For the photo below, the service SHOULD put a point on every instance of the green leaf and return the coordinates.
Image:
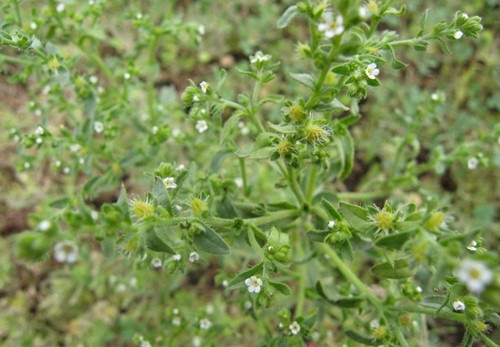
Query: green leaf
(211, 242)
(221, 79)
(225, 208)
(373, 82)
(256, 270)
(281, 287)
(60, 203)
(283, 129)
(317, 236)
(346, 251)
(345, 147)
(400, 270)
(355, 215)
(218, 159)
(333, 105)
(304, 78)
(423, 22)
(332, 211)
(350, 120)
(155, 243)
(394, 241)
(363, 339)
(342, 69)
(159, 192)
(349, 302)
(228, 127)
(122, 202)
(287, 16)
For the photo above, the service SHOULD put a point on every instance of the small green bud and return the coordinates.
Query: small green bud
(285, 148)
(198, 206)
(384, 220)
(315, 133)
(142, 209)
(297, 113)
(435, 221)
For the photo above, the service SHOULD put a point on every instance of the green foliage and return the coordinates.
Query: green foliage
(186, 177)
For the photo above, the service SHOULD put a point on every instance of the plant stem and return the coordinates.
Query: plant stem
(19, 19)
(311, 184)
(150, 83)
(352, 277)
(362, 195)
(246, 191)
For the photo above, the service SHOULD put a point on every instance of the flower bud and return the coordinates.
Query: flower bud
(435, 221)
(198, 206)
(297, 113)
(315, 133)
(284, 148)
(142, 209)
(384, 220)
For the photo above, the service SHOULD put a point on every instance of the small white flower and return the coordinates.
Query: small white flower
(196, 341)
(39, 131)
(100, 90)
(66, 170)
(472, 163)
(371, 71)
(374, 324)
(94, 215)
(204, 87)
(364, 12)
(170, 182)
(38, 112)
(145, 343)
(225, 283)
(156, 263)
(60, 7)
(254, 284)
(46, 90)
(193, 257)
(435, 96)
(178, 208)
(458, 34)
(248, 305)
(175, 311)
(138, 15)
(205, 324)
(33, 25)
(239, 182)
(126, 76)
(419, 289)
(176, 257)
(472, 246)
(121, 288)
(58, 163)
(244, 129)
(176, 132)
(66, 252)
(201, 29)
(474, 274)
(201, 126)
(209, 309)
(196, 98)
(180, 167)
(98, 127)
(81, 161)
(331, 27)
(154, 129)
(93, 79)
(91, 2)
(294, 328)
(75, 147)
(458, 306)
(44, 225)
(259, 57)
(176, 321)
(465, 16)
(331, 224)
(133, 282)
(39, 140)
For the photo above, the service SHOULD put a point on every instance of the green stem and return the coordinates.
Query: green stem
(487, 340)
(399, 335)
(311, 184)
(362, 195)
(301, 295)
(352, 277)
(19, 19)
(233, 104)
(295, 185)
(246, 191)
(257, 221)
(150, 83)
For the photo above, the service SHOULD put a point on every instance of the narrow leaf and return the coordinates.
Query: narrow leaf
(287, 16)
(281, 287)
(355, 215)
(154, 243)
(211, 242)
(305, 79)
